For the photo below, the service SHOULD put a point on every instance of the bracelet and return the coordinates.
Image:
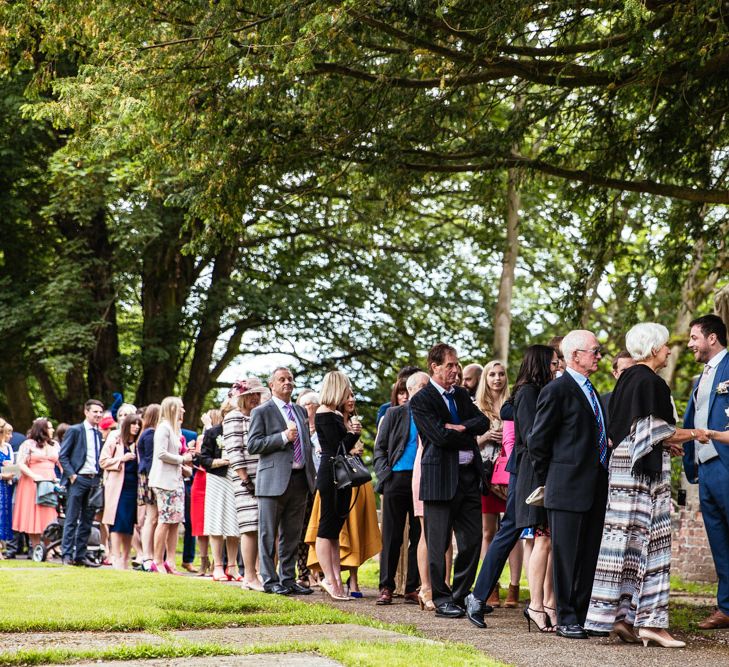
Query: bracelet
(693, 434)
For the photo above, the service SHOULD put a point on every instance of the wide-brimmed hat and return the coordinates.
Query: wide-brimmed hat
(249, 385)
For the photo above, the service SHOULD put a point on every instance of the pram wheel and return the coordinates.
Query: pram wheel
(39, 553)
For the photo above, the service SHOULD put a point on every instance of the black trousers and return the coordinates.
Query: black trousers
(506, 537)
(397, 505)
(462, 516)
(576, 538)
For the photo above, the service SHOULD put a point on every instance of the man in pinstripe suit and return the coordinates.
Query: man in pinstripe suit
(451, 477)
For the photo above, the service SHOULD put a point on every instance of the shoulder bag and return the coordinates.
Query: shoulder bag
(349, 470)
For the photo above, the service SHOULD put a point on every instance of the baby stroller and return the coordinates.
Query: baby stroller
(52, 536)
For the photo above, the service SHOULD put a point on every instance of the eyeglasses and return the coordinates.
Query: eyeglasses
(595, 351)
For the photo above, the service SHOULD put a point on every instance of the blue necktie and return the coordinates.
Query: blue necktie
(452, 407)
(602, 439)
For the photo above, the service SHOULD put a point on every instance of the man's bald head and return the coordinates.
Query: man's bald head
(471, 377)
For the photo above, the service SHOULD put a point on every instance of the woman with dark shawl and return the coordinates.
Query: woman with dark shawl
(632, 579)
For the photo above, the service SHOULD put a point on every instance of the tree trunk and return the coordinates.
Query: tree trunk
(199, 380)
(21, 412)
(167, 276)
(502, 314)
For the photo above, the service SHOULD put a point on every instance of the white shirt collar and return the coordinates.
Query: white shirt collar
(716, 359)
(441, 390)
(279, 403)
(577, 376)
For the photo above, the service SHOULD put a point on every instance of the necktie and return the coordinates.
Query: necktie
(452, 407)
(97, 446)
(704, 378)
(602, 439)
(298, 455)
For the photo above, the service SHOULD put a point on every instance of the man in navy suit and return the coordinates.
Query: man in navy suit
(451, 476)
(569, 449)
(708, 463)
(79, 460)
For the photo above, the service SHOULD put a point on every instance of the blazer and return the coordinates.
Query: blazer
(718, 420)
(111, 462)
(210, 450)
(73, 451)
(392, 437)
(439, 462)
(166, 470)
(277, 456)
(563, 446)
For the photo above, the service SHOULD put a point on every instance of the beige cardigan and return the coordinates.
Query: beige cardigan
(166, 471)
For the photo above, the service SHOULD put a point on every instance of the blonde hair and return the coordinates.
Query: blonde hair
(216, 416)
(335, 390)
(125, 410)
(486, 401)
(170, 412)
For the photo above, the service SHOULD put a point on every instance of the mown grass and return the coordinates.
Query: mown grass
(350, 653)
(64, 599)
(692, 587)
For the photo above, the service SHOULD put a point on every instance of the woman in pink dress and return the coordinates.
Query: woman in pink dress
(37, 458)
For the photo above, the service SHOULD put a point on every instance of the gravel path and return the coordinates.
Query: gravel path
(507, 639)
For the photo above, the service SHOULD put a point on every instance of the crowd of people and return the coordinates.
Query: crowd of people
(571, 486)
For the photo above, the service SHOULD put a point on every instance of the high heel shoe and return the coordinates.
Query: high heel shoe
(626, 633)
(547, 627)
(171, 570)
(354, 594)
(236, 576)
(219, 578)
(327, 589)
(204, 566)
(648, 636)
(425, 600)
(551, 622)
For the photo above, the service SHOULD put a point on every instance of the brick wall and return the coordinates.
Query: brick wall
(691, 556)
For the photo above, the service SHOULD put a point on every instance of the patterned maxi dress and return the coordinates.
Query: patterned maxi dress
(632, 579)
(235, 433)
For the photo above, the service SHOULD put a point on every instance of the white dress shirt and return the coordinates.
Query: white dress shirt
(281, 405)
(90, 466)
(465, 456)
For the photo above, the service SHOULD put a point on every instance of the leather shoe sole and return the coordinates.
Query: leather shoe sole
(597, 633)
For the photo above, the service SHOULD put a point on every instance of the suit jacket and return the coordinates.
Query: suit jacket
(73, 451)
(392, 437)
(718, 420)
(166, 470)
(439, 463)
(563, 446)
(277, 456)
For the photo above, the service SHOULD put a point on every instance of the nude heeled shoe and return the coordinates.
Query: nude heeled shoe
(651, 636)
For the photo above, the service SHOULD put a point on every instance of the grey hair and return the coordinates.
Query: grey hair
(415, 379)
(309, 397)
(573, 341)
(644, 339)
(272, 377)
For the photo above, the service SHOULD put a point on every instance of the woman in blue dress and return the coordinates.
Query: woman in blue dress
(7, 457)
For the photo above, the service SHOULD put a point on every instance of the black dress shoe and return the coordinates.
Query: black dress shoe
(87, 562)
(298, 589)
(597, 633)
(486, 608)
(279, 589)
(571, 631)
(474, 611)
(449, 610)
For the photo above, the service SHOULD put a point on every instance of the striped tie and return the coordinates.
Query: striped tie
(602, 439)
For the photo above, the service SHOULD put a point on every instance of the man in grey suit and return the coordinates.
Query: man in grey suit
(279, 434)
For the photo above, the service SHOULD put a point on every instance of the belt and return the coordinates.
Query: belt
(295, 470)
(89, 476)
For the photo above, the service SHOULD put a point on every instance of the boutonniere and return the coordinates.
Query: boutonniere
(723, 387)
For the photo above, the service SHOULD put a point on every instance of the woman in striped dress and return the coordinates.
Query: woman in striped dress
(632, 579)
(246, 394)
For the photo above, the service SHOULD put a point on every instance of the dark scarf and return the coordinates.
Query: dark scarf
(640, 393)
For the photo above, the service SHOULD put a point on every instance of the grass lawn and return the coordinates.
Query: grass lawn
(42, 597)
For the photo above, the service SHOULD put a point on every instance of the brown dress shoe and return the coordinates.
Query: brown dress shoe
(385, 596)
(716, 621)
(189, 567)
(411, 598)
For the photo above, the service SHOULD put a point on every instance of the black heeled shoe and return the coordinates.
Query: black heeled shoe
(542, 628)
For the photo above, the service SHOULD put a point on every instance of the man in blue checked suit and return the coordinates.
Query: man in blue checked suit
(708, 463)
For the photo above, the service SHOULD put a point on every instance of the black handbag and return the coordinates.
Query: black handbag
(96, 498)
(349, 471)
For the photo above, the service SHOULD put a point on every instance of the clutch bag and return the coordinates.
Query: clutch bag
(536, 497)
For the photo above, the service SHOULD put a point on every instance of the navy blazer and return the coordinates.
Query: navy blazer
(718, 421)
(73, 451)
(439, 463)
(563, 446)
(393, 434)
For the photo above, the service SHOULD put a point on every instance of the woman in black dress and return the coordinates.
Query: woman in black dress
(538, 368)
(334, 437)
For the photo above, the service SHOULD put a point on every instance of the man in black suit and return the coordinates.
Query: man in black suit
(451, 477)
(568, 446)
(79, 459)
(395, 449)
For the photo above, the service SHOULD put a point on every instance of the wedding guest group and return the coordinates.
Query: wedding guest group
(473, 472)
